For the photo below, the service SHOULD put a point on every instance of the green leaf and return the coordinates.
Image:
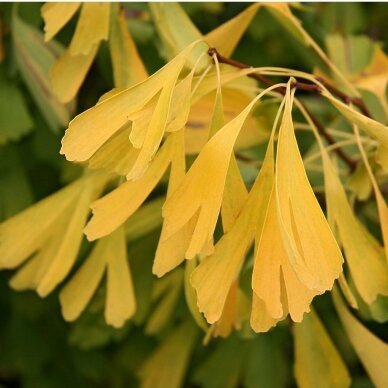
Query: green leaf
(34, 60)
(15, 120)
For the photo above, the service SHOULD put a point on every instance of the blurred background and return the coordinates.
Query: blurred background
(37, 347)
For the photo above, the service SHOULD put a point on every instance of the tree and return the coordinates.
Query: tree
(238, 210)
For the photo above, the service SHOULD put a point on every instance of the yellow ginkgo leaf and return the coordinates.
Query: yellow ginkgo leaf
(56, 15)
(69, 72)
(141, 121)
(316, 355)
(92, 27)
(230, 314)
(166, 367)
(364, 257)
(128, 68)
(57, 253)
(112, 210)
(117, 154)
(375, 77)
(203, 192)
(215, 275)
(176, 31)
(381, 204)
(91, 129)
(198, 124)
(274, 280)
(181, 103)
(372, 351)
(31, 227)
(260, 320)
(65, 251)
(171, 251)
(308, 240)
(359, 182)
(226, 37)
(80, 289)
(382, 157)
(120, 296)
(190, 296)
(373, 128)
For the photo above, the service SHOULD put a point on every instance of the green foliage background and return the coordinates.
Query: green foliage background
(37, 347)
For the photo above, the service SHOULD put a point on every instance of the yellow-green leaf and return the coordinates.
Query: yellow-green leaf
(120, 296)
(317, 361)
(371, 350)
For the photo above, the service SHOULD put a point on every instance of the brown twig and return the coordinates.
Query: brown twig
(357, 101)
(300, 86)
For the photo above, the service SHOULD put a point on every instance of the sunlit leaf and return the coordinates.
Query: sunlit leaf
(309, 242)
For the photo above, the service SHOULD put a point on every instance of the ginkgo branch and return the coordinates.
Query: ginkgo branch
(307, 87)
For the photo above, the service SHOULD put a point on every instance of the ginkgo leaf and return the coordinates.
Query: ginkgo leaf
(180, 104)
(203, 192)
(58, 251)
(117, 154)
(371, 350)
(316, 355)
(381, 204)
(260, 320)
(166, 293)
(382, 156)
(235, 195)
(79, 290)
(128, 68)
(120, 296)
(198, 124)
(69, 72)
(230, 314)
(112, 210)
(359, 182)
(374, 77)
(167, 365)
(15, 118)
(176, 31)
(214, 276)
(171, 251)
(190, 295)
(274, 280)
(31, 227)
(373, 128)
(147, 219)
(92, 27)
(64, 253)
(226, 37)
(91, 129)
(34, 59)
(56, 16)
(363, 256)
(309, 242)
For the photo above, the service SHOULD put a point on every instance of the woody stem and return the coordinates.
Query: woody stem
(307, 87)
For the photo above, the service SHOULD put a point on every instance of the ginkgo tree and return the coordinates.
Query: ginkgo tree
(206, 198)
